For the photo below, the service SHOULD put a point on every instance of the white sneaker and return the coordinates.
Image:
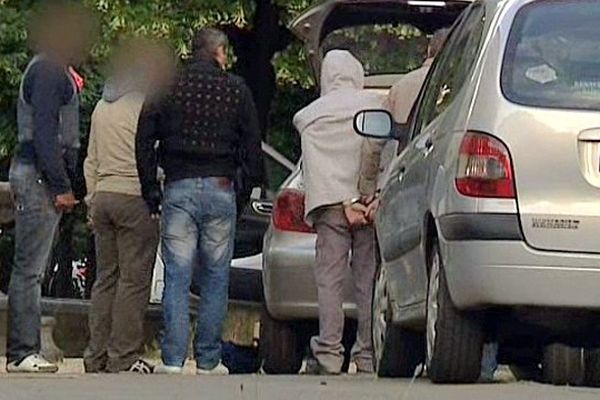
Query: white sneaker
(34, 363)
(503, 374)
(141, 367)
(163, 369)
(219, 370)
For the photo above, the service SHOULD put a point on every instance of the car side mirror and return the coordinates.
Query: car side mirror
(374, 123)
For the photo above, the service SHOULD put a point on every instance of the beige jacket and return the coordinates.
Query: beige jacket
(110, 165)
(330, 147)
(377, 154)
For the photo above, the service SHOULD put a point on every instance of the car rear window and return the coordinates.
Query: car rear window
(553, 55)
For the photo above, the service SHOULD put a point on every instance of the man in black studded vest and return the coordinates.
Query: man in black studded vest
(207, 128)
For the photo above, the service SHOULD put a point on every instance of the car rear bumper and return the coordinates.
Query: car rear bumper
(510, 273)
(290, 291)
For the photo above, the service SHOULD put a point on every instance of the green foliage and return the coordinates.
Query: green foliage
(292, 67)
(12, 58)
(174, 20)
(376, 45)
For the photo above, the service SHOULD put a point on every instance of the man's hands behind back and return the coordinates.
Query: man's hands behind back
(356, 214)
(363, 212)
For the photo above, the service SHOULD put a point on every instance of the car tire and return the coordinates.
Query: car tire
(563, 365)
(396, 351)
(280, 346)
(454, 339)
(592, 367)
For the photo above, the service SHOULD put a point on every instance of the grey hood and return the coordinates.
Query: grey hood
(330, 147)
(341, 70)
(118, 86)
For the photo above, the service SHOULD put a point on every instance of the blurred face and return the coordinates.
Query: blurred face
(221, 56)
(65, 33)
(150, 62)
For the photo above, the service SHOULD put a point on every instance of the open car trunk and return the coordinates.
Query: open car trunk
(318, 22)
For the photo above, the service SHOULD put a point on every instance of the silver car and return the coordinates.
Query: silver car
(492, 212)
(389, 37)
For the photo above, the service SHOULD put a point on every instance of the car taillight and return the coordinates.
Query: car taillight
(484, 168)
(288, 212)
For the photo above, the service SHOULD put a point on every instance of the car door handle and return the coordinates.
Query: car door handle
(262, 207)
(400, 176)
(428, 145)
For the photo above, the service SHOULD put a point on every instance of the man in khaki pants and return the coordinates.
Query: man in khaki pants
(126, 233)
(331, 162)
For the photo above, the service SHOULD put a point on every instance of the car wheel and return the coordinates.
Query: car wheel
(280, 346)
(396, 351)
(454, 339)
(563, 365)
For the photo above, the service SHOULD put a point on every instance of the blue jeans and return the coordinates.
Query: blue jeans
(198, 229)
(489, 361)
(36, 227)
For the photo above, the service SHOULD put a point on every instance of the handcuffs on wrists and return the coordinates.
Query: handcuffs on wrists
(351, 202)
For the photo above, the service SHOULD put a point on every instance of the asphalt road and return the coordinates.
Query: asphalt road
(251, 387)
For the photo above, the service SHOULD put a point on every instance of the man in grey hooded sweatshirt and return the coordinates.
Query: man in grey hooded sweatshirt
(126, 234)
(331, 163)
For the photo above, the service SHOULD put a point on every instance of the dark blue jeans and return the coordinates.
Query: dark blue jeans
(198, 229)
(37, 222)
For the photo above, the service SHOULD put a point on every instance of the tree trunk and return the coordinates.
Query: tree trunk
(255, 49)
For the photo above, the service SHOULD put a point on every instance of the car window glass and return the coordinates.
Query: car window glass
(408, 129)
(381, 48)
(452, 68)
(552, 57)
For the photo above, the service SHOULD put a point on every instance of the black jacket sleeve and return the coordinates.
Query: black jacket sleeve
(46, 84)
(147, 156)
(250, 140)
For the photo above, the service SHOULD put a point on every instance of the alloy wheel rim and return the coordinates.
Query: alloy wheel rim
(432, 306)
(380, 310)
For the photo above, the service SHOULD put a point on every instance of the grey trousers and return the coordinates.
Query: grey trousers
(339, 247)
(126, 243)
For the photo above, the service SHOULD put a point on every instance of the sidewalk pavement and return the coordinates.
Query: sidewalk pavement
(257, 387)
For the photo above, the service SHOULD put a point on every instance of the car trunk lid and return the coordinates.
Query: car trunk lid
(313, 26)
(551, 70)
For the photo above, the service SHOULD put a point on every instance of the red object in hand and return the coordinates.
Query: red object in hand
(79, 80)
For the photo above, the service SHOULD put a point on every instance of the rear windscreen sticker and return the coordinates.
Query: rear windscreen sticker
(541, 74)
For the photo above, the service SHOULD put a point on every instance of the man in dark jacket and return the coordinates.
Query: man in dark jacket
(42, 171)
(206, 127)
